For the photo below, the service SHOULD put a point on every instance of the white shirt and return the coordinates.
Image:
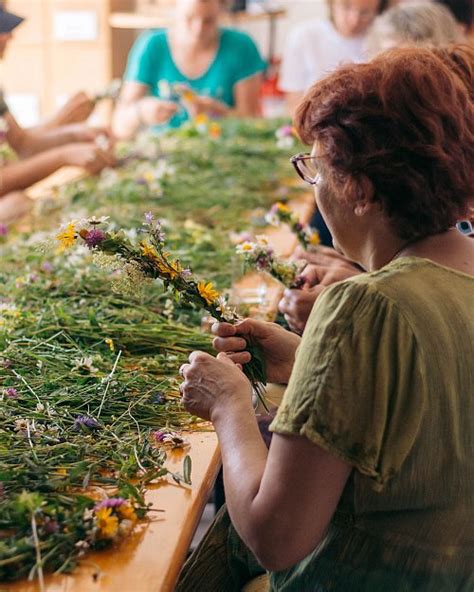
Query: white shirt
(314, 49)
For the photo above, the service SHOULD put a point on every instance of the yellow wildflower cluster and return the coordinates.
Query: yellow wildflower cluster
(67, 237)
(107, 523)
(208, 292)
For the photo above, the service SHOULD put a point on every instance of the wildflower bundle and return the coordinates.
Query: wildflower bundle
(149, 259)
(307, 237)
(259, 255)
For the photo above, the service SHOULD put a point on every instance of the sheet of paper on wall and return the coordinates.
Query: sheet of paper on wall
(75, 25)
(25, 108)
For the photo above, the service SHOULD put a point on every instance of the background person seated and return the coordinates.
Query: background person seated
(418, 23)
(221, 67)
(317, 47)
(44, 149)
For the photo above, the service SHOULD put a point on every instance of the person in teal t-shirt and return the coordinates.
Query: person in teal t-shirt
(216, 71)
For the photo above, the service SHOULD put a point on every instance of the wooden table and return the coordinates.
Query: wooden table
(151, 558)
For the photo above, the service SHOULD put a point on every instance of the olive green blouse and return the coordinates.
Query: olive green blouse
(384, 379)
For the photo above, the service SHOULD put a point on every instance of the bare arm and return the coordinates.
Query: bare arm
(23, 174)
(135, 109)
(247, 97)
(28, 142)
(280, 502)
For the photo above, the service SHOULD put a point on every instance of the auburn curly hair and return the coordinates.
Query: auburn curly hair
(460, 58)
(399, 129)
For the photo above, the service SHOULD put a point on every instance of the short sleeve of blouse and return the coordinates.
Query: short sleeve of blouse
(246, 54)
(140, 59)
(356, 389)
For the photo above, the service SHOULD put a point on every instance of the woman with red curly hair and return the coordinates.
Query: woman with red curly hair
(368, 482)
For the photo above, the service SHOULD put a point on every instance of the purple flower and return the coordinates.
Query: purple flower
(83, 422)
(94, 237)
(186, 273)
(159, 435)
(3, 230)
(111, 502)
(298, 227)
(12, 393)
(141, 181)
(47, 267)
(51, 526)
(149, 218)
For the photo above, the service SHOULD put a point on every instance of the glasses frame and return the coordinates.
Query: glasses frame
(301, 157)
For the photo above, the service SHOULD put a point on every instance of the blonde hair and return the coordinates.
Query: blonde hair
(417, 23)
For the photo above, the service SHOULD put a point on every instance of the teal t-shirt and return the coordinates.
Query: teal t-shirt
(237, 58)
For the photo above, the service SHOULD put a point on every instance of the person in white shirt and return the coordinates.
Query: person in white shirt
(317, 47)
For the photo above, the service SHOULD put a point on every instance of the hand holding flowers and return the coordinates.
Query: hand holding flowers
(212, 385)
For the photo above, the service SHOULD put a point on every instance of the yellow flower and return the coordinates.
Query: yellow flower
(188, 95)
(201, 119)
(283, 208)
(106, 523)
(207, 292)
(110, 343)
(67, 237)
(247, 246)
(149, 251)
(126, 512)
(149, 177)
(314, 239)
(215, 130)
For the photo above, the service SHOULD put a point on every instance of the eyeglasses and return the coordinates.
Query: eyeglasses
(306, 167)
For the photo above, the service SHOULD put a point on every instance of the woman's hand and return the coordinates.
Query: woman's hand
(84, 133)
(278, 345)
(200, 105)
(88, 156)
(152, 110)
(212, 385)
(76, 109)
(296, 306)
(325, 267)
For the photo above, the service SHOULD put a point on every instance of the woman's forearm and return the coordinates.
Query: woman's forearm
(42, 139)
(244, 456)
(126, 120)
(23, 174)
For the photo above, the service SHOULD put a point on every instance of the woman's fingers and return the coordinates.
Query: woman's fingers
(229, 344)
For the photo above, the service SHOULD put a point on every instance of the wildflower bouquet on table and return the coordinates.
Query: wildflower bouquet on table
(149, 259)
(280, 213)
(259, 255)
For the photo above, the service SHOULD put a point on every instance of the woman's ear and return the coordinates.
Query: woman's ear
(363, 192)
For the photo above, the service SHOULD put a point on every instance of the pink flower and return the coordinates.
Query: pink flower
(111, 502)
(11, 393)
(94, 237)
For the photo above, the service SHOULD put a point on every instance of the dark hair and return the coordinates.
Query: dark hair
(461, 9)
(460, 58)
(401, 125)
